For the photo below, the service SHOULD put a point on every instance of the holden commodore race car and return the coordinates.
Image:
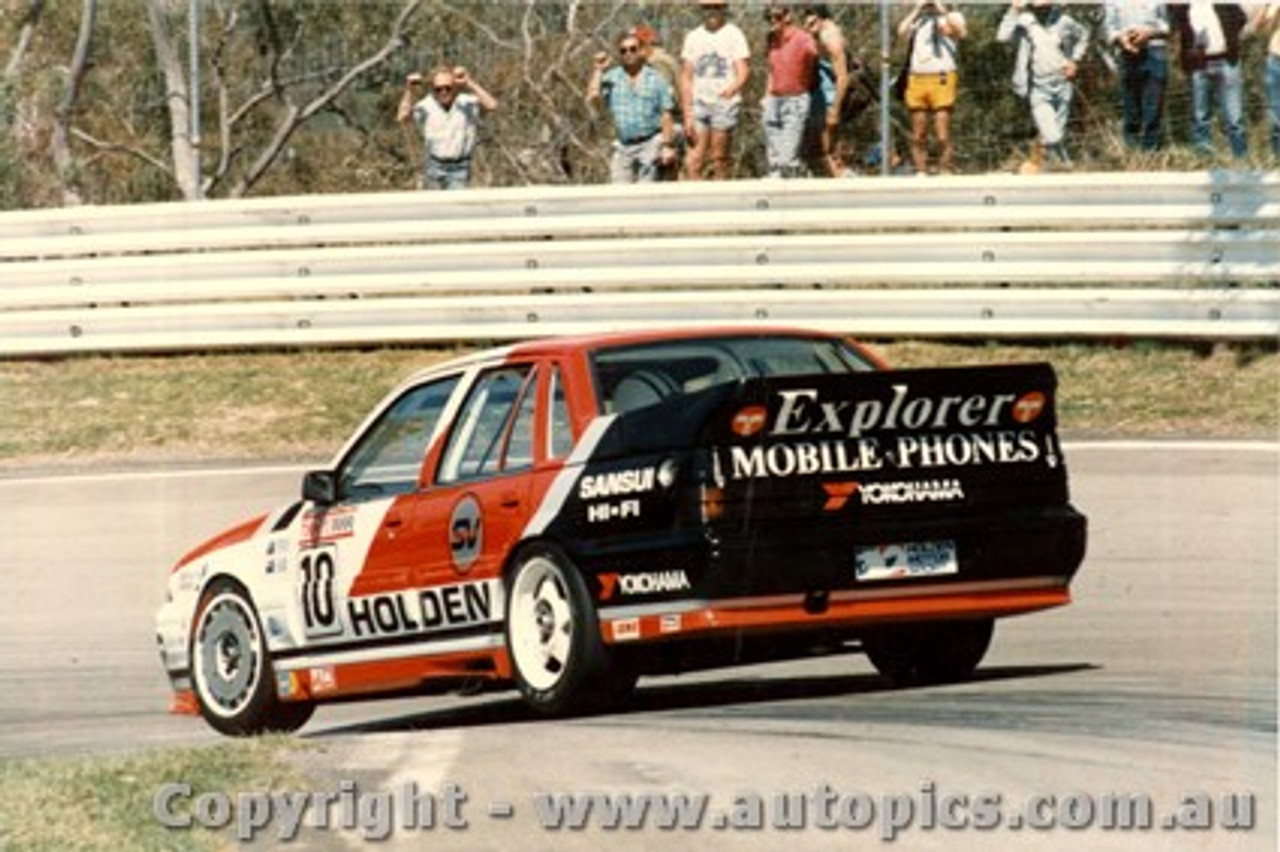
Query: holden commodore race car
(566, 515)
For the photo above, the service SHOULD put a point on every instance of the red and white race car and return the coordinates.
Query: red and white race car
(566, 515)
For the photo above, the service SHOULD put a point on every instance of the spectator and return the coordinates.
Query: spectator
(1051, 44)
(1268, 18)
(833, 83)
(654, 53)
(932, 31)
(1138, 31)
(447, 118)
(714, 72)
(1209, 51)
(641, 104)
(669, 67)
(793, 74)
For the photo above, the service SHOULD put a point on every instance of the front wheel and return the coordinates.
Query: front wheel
(232, 675)
(560, 662)
(931, 652)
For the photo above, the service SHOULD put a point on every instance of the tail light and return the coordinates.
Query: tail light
(712, 503)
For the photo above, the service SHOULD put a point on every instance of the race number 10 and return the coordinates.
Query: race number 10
(316, 591)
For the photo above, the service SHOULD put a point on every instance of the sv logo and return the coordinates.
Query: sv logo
(466, 533)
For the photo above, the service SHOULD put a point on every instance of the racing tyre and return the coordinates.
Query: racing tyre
(932, 652)
(231, 673)
(553, 635)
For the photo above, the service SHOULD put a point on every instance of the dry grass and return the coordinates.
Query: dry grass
(300, 406)
(96, 804)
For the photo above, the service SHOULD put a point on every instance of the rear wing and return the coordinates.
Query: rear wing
(962, 436)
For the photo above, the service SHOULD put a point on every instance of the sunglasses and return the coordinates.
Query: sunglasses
(442, 89)
(629, 48)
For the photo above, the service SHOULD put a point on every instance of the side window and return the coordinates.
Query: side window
(560, 431)
(519, 452)
(389, 457)
(480, 435)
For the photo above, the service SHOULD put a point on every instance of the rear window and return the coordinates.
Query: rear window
(631, 377)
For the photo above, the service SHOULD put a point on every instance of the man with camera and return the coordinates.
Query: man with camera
(932, 31)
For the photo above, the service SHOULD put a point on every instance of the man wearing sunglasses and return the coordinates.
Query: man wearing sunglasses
(713, 75)
(641, 103)
(447, 117)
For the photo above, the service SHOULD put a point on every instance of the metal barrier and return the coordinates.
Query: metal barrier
(1186, 256)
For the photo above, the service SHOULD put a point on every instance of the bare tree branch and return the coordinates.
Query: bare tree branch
(479, 25)
(295, 116)
(116, 148)
(66, 107)
(29, 22)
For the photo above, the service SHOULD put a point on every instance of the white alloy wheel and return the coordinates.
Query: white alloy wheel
(542, 623)
(228, 655)
(553, 635)
(232, 674)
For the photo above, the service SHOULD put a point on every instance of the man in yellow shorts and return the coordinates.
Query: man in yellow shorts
(932, 32)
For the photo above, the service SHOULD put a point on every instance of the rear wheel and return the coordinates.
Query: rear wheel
(560, 662)
(931, 652)
(232, 675)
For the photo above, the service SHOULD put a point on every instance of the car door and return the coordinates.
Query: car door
(478, 504)
(336, 546)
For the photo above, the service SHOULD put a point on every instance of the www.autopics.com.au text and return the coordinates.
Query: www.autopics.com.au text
(377, 814)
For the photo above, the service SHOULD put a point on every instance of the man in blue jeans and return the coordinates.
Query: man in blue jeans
(641, 103)
(1209, 41)
(1138, 30)
(1268, 20)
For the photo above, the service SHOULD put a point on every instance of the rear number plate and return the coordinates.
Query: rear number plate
(904, 561)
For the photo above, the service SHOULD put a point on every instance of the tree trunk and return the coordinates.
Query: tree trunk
(178, 98)
(66, 107)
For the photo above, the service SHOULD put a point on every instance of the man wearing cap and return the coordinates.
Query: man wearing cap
(714, 71)
(641, 104)
(669, 67)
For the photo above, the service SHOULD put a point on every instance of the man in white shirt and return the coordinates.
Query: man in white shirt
(447, 118)
(713, 73)
(1209, 36)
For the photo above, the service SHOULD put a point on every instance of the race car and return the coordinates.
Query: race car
(567, 515)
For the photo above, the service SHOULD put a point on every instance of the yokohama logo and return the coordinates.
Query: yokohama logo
(649, 583)
(881, 493)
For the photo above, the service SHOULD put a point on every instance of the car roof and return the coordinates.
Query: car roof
(572, 344)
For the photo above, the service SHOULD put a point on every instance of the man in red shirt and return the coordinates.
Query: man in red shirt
(793, 68)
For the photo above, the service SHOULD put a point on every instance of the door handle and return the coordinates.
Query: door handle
(394, 520)
(509, 500)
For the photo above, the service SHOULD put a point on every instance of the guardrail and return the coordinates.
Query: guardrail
(1190, 256)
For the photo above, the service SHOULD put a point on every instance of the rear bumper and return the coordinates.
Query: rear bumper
(786, 557)
(779, 578)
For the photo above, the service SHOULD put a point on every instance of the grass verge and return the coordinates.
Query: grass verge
(67, 805)
(296, 406)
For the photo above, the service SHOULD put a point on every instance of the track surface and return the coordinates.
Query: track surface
(1160, 679)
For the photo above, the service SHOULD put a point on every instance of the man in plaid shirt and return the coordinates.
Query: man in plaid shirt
(641, 103)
